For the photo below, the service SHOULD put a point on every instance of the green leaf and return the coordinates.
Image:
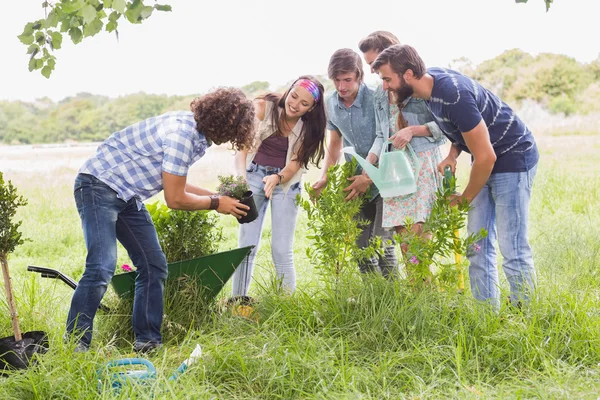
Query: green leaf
(101, 14)
(108, 3)
(46, 71)
(40, 37)
(163, 7)
(28, 29)
(111, 26)
(32, 64)
(52, 19)
(119, 5)
(39, 63)
(114, 16)
(65, 24)
(26, 39)
(33, 48)
(74, 22)
(56, 40)
(93, 28)
(51, 63)
(88, 13)
(146, 12)
(76, 35)
(70, 7)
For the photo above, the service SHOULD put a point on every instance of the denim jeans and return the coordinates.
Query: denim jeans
(502, 208)
(106, 219)
(284, 212)
(388, 262)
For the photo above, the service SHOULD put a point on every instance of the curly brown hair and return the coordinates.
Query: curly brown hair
(225, 115)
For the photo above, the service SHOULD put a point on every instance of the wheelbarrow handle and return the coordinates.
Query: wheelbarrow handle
(54, 274)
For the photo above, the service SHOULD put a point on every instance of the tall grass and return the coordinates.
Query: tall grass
(370, 338)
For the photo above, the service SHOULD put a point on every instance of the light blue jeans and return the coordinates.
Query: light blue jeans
(284, 212)
(502, 208)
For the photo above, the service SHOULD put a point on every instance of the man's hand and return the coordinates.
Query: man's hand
(318, 186)
(457, 198)
(401, 138)
(229, 205)
(358, 187)
(270, 182)
(448, 161)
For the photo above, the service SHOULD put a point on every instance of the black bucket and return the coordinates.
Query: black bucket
(252, 213)
(16, 354)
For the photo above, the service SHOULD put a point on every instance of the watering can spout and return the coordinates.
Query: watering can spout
(369, 168)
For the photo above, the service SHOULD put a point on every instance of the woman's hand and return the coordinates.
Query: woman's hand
(270, 182)
(402, 137)
(229, 205)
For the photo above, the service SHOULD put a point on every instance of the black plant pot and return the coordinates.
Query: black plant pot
(17, 354)
(252, 213)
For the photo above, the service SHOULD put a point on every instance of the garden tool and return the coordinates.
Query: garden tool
(450, 183)
(140, 371)
(395, 176)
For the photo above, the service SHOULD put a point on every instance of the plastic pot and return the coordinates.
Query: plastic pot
(16, 354)
(252, 213)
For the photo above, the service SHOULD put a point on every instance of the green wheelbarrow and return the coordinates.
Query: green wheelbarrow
(212, 273)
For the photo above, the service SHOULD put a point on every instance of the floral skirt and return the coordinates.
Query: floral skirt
(416, 206)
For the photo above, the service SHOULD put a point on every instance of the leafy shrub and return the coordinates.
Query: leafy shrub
(333, 226)
(233, 186)
(184, 235)
(562, 104)
(443, 225)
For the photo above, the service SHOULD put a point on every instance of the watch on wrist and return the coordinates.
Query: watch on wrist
(280, 178)
(214, 202)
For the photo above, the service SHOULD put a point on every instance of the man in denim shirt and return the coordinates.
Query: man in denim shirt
(351, 122)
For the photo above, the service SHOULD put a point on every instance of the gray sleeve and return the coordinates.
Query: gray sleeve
(379, 139)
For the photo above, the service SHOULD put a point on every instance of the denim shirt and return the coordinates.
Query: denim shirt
(415, 112)
(356, 124)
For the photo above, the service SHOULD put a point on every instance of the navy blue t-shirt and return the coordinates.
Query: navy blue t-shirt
(458, 103)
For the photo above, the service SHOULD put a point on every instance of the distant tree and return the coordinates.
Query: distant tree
(78, 18)
(256, 88)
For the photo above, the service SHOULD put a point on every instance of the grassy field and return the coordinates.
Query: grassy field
(367, 339)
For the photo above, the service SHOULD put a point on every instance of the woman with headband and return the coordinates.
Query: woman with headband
(289, 136)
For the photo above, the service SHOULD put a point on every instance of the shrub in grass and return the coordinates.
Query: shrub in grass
(333, 226)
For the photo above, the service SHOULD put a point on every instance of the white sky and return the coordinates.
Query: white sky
(204, 44)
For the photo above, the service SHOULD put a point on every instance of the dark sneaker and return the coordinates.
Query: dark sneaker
(144, 348)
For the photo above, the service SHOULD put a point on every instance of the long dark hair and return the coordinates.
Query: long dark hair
(312, 136)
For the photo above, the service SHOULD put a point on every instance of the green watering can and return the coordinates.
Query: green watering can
(395, 176)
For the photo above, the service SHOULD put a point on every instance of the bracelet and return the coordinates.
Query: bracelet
(280, 178)
(214, 202)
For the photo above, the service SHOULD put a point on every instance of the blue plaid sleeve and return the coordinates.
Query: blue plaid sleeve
(178, 151)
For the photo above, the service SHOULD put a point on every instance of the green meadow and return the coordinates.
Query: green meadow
(367, 338)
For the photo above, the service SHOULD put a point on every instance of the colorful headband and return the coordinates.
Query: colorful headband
(312, 88)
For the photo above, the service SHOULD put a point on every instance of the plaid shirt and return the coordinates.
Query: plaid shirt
(131, 161)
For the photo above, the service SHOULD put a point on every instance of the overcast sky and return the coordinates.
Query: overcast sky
(204, 44)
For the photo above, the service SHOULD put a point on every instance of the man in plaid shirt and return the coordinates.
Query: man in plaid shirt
(131, 166)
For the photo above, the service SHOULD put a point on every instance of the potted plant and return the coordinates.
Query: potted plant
(237, 187)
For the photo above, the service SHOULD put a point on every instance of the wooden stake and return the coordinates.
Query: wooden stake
(10, 299)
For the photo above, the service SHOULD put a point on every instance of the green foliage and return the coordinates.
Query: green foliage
(562, 104)
(184, 235)
(233, 186)
(443, 225)
(10, 201)
(84, 117)
(256, 88)
(333, 227)
(548, 2)
(78, 18)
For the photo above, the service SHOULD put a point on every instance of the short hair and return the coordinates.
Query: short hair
(345, 61)
(378, 41)
(401, 58)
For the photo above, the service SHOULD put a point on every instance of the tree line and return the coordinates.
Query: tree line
(559, 83)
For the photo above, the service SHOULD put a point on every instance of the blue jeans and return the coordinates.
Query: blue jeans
(284, 212)
(106, 218)
(502, 208)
